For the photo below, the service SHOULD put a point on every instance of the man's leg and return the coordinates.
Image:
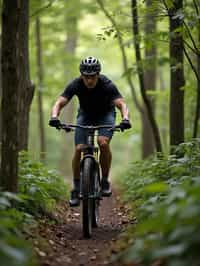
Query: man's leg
(105, 155)
(76, 161)
(74, 201)
(105, 162)
(79, 139)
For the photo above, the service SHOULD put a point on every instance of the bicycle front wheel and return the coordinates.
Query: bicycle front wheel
(96, 198)
(87, 173)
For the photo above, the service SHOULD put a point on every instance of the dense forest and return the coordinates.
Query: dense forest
(151, 50)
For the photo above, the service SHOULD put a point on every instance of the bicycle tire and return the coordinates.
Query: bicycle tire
(96, 199)
(87, 172)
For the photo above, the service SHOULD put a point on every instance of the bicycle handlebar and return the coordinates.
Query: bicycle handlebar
(71, 127)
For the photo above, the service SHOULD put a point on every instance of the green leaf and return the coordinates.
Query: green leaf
(156, 187)
(173, 250)
(16, 253)
(4, 203)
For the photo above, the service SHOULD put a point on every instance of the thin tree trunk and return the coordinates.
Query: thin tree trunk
(197, 113)
(148, 145)
(141, 78)
(176, 77)
(164, 129)
(39, 90)
(68, 112)
(15, 83)
(0, 102)
(197, 116)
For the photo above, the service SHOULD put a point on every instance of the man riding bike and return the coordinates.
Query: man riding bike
(98, 97)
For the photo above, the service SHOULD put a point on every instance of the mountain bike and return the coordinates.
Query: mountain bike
(90, 181)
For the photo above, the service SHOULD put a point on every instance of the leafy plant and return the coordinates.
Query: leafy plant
(39, 189)
(167, 193)
(13, 248)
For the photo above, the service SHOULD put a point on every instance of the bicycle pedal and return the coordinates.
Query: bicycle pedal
(74, 204)
(106, 195)
(80, 196)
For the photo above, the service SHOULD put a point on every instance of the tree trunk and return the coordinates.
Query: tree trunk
(15, 85)
(176, 77)
(69, 64)
(39, 90)
(0, 102)
(195, 135)
(197, 113)
(164, 128)
(148, 145)
(152, 120)
(27, 89)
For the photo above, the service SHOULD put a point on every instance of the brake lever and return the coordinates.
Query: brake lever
(115, 129)
(66, 128)
(58, 128)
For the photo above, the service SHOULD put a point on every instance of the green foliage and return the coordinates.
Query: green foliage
(39, 189)
(166, 192)
(14, 250)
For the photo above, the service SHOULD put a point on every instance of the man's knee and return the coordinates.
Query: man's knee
(103, 142)
(78, 149)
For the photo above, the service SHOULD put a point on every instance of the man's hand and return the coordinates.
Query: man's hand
(54, 122)
(125, 124)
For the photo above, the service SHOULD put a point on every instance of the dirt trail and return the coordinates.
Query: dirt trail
(66, 245)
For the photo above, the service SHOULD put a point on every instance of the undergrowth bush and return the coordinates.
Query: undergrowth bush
(166, 196)
(39, 186)
(39, 189)
(14, 250)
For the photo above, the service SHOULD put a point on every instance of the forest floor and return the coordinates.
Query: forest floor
(62, 244)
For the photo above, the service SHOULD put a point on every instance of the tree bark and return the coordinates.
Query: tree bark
(148, 145)
(16, 86)
(154, 126)
(39, 90)
(27, 89)
(176, 77)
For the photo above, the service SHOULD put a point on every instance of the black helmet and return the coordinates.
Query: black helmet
(90, 66)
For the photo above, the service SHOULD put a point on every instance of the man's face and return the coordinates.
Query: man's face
(90, 81)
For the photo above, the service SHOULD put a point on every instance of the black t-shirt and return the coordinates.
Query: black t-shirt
(96, 101)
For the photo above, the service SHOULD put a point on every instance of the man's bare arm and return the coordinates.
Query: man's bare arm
(60, 103)
(121, 105)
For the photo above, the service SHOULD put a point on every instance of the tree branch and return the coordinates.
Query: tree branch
(42, 8)
(190, 35)
(191, 48)
(191, 64)
(197, 113)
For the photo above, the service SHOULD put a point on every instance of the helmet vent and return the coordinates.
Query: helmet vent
(90, 66)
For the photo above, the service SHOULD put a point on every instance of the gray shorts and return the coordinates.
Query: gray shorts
(85, 120)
